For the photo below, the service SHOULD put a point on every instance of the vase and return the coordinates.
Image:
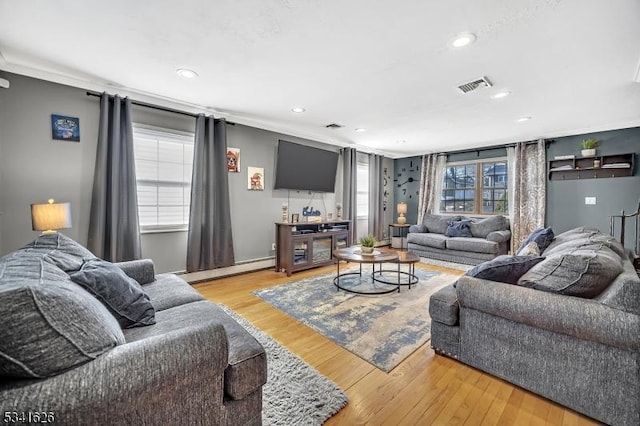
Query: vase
(366, 250)
(588, 152)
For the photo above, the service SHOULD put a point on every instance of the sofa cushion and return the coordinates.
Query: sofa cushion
(428, 240)
(483, 227)
(506, 269)
(459, 228)
(121, 295)
(49, 324)
(418, 228)
(67, 254)
(438, 224)
(169, 290)
(584, 273)
(541, 236)
(572, 234)
(476, 245)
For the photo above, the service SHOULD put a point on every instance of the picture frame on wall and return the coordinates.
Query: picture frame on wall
(255, 178)
(233, 160)
(65, 128)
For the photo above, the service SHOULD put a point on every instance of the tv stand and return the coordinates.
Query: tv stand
(303, 245)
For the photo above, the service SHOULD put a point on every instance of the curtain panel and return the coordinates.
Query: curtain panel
(527, 189)
(114, 228)
(376, 210)
(209, 239)
(430, 184)
(350, 188)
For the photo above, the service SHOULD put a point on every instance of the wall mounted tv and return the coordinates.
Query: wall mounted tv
(305, 168)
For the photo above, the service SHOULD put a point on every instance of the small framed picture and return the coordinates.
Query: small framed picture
(295, 218)
(65, 128)
(233, 160)
(255, 178)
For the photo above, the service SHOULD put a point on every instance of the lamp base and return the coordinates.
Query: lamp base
(402, 220)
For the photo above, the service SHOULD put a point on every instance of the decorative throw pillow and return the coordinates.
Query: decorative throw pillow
(582, 274)
(122, 295)
(530, 249)
(64, 252)
(542, 237)
(506, 269)
(51, 326)
(459, 228)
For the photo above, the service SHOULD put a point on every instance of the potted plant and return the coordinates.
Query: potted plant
(367, 244)
(589, 147)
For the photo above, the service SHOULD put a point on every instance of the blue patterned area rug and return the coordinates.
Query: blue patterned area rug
(383, 329)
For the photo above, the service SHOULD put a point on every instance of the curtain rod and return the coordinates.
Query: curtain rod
(488, 148)
(156, 107)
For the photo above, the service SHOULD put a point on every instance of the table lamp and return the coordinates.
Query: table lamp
(402, 210)
(50, 216)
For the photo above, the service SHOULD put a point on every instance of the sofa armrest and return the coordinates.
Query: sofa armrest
(141, 270)
(499, 236)
(418, 228)
(172, 378)
(584, 319)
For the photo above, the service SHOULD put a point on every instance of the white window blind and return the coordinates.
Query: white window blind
(362, 195)
(164, 162)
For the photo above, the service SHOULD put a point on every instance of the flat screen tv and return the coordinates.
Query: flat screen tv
(305, 168)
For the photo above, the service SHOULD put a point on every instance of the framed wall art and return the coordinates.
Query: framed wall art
(65, 128)
(233, 160)
(255, 178)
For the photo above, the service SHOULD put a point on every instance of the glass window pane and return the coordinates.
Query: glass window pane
(471, 170)
(487, 207)
(469, 194)
(469, 206)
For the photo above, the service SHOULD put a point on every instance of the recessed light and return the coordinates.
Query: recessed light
(186, 73)
(360, 130)
(401, 142)
(463, 39)
(502, 94)
(525, 118)
(298, 110)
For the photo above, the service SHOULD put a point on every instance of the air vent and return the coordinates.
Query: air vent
(333, 126)
(471, 86)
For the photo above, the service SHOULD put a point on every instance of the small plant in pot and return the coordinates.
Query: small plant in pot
(589, 147)
(367, 244)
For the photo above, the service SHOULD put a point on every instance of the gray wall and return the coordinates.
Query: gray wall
(565, 199)
(404, 191)
(33, 168)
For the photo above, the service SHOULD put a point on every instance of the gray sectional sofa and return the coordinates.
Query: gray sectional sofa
(489, 237)
(65, 357)
(539, 334)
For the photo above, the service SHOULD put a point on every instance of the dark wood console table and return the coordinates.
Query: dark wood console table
(303, 245)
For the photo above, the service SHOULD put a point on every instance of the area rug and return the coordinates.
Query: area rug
(295, 393)
(383, 329)
(445, 264)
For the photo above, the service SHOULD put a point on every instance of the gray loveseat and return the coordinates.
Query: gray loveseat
(581, 352)
(62, 356)
(490, 237)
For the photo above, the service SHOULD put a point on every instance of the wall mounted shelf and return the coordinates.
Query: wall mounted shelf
(615, 165)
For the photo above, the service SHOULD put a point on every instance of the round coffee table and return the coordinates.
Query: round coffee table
(404, 257)
(353, 254)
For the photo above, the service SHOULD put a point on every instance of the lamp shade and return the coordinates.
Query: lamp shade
(51, 216)
(402, 208)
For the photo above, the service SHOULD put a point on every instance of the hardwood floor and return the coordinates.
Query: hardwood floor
(425, 389)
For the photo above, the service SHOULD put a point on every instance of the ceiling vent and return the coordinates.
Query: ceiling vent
(473, 85)
(333, 126)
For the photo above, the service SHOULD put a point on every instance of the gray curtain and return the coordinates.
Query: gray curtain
(350, 189)
(209, 241)
(527, 189)
(430, 184)
(114, 229)
(376, 212)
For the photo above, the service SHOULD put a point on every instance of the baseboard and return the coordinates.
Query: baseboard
(238, 268)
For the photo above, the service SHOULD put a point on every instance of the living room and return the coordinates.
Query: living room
(35, 167)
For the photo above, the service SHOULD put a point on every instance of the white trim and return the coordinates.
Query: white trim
(476, 161)
(238, 268)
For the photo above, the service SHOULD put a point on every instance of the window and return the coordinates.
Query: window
(362, 196)
(164, 161)
(478, 187)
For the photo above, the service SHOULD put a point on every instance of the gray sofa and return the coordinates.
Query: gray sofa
(490, 237)
(582, 352)
(195, 365)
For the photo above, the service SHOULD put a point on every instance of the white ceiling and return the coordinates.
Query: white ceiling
(386, 66)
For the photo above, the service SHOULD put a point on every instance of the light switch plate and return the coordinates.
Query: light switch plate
(590, 200)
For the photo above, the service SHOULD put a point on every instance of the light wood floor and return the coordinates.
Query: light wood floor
(425, 389)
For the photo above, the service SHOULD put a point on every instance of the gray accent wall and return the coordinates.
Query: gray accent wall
(565, 199)
(33, 168)
(406, 169)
